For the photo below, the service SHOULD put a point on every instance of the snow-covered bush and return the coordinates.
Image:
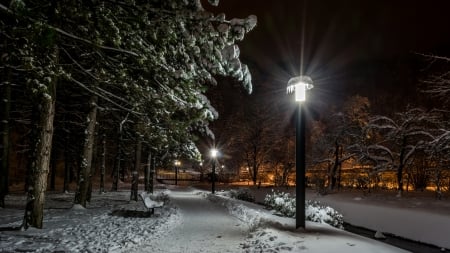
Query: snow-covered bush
(281, 202)
(242, 194)
(317, 212)
(161, 196)
(314, 211)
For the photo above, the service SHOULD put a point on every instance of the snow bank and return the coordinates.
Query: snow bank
(271, 233)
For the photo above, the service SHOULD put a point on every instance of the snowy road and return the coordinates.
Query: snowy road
(203, 226)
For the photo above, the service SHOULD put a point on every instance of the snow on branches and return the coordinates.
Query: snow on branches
(154, 59)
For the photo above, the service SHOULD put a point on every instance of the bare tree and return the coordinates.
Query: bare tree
(437, 83)
(333, 136)
(255, 138)
(283, 159)
(397, 140)
(439, 153)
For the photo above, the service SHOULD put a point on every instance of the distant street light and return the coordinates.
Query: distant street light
(299, 85)
(214, 153)
(177, 165)
(201, 171)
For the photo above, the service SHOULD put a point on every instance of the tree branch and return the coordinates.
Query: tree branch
(105, 98)
(62, 32)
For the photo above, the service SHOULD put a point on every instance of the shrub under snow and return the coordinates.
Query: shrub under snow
(285, 204)
(242, 194)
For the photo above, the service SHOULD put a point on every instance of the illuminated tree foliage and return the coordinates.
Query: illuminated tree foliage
(149, 62)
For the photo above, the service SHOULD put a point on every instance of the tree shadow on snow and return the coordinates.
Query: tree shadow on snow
(131, 213)
(10, 228)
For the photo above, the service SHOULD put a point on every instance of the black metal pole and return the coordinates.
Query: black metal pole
(213, 176)
(300, 167)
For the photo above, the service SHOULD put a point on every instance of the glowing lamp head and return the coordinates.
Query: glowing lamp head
(214, 153)
(299, 85)
(177, 163)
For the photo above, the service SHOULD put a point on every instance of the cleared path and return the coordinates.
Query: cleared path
(204, 226)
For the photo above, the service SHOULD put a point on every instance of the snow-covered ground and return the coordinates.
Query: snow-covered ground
(420, 219)
(417, 216)
(110, 223)
(193, 221)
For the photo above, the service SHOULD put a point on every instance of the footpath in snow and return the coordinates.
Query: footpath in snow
(201, 226)
(219, 224)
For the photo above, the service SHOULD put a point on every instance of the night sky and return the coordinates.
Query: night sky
(348, 46)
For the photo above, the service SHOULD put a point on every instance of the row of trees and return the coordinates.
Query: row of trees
(413, 143)
(130, 72)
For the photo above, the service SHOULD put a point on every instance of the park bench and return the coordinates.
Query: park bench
(149, 203)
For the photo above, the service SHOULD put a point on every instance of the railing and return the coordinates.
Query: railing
(180, 176)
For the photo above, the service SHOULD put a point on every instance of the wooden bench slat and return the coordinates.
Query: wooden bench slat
(149, 203)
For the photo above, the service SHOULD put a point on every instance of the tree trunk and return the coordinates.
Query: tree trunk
(93, 167)
(152, 173)
(103, 165)
(147, 172)
(42, 144)
(255, 166)
(333, 177)
(66, 165)
(400, 169)
(339, 176)
(81, 195)
(41, 159)
(53, 169)
(285, 174)
(400, 180)
(135, 173)
(4, 146)
(117, 165)
(438, 185)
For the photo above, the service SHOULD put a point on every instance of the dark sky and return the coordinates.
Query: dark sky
(341, 31)
(338, 37)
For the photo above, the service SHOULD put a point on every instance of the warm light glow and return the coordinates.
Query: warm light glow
(299, 85)
(177, 163)
(214, 152)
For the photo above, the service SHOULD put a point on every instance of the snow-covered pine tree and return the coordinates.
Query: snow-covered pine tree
(151, 59)
(39, 54)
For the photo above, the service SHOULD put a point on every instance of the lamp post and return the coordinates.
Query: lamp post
(299, 85)
(213, 175)
(177, 164)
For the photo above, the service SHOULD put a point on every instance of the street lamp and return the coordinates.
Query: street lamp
(299, 85)
(213, 175)
(177, 164)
